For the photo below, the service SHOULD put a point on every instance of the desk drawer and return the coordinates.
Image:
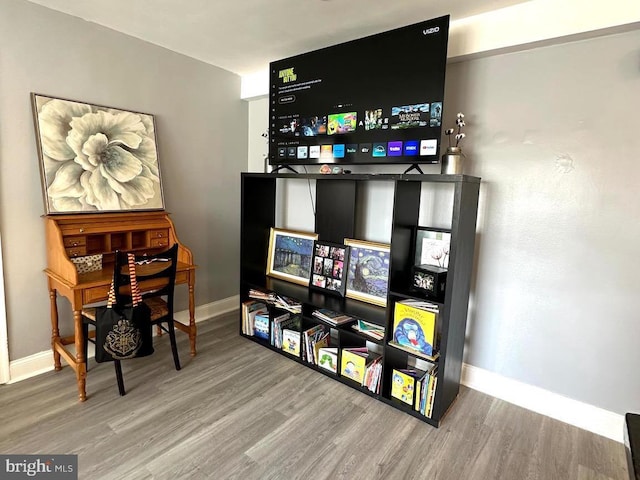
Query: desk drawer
(95, 294)
(74, 241)
(76, 251)
(164, 233)
(182, 277)
(159, 242)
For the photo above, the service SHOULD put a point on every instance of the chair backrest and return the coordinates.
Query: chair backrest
(155, 273)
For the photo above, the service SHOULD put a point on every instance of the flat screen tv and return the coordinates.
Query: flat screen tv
(375, 100)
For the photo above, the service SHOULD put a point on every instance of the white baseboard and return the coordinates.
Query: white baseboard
(573, 412)
(30, 366)
(42, 362)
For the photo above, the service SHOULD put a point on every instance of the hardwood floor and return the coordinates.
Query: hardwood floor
(238, 410)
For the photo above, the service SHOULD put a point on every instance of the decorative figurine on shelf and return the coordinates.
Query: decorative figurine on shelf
(452, 160)
(325, 169)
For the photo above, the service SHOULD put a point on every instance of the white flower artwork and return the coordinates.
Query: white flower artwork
(95, 158)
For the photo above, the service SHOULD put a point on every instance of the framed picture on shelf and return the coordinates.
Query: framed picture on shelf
(368, 271)
(329, 267)
(290, 254)
(95, 158)
(432, 247)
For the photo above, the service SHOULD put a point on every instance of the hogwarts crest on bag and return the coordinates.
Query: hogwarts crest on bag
(124, 331)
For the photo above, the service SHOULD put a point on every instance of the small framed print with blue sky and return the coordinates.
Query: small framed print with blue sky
(290, 255)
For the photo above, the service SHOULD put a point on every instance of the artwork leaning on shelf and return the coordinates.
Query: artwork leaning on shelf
(290, 255)
(368, 274)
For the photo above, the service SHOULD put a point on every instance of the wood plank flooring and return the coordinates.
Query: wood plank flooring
(238, 410)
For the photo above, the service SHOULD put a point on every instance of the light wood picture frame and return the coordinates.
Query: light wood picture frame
(290, 255)
(368, 274)
(95, 158)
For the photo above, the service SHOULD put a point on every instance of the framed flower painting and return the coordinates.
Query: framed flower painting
(95, 158)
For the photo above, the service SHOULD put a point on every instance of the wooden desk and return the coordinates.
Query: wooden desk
(89, 234)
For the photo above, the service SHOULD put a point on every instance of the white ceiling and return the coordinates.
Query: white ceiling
(243, 36)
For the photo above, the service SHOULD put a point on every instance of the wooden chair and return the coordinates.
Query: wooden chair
(156, 275)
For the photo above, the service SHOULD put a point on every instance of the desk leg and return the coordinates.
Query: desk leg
(81, 366)
(192, 315)
(55, 333)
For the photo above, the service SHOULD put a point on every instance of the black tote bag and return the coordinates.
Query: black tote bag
(124, 331)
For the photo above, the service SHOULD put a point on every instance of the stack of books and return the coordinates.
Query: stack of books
(250, 309)
(285, 333)
(264, 296)
(370, 329)
(331, 317)
(278, 301)
(415, 387)
(372, 375)
(313, 339)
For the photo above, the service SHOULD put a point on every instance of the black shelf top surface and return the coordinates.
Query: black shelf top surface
(409, 177)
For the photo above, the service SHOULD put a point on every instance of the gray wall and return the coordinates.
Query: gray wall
(555, 294)
(555, 297)
(202, 134)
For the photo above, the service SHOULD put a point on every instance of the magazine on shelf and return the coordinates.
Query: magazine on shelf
(279, 301)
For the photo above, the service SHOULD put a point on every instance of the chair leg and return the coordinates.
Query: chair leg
(174, 346)
(119, 377)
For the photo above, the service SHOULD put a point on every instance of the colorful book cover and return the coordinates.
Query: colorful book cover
(291, 342)
(309, 337)
(322, 342)
(261, 326)
(414, 328)
(353, 363)
(250, 309)
(403, 386)
(328, 359)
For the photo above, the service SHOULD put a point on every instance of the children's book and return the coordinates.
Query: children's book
(353, 363)
(414, 326)
(322, 342)
(291, 342)
(261, 325)
(328, 359)
(405, 384)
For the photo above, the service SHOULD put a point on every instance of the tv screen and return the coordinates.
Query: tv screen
(375, 100)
